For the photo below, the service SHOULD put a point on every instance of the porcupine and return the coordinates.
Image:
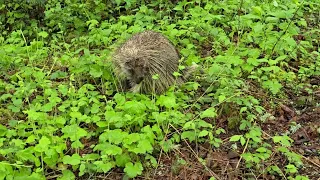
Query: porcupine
(144, 55)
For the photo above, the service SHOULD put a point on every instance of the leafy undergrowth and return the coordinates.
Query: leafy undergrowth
(253, 113)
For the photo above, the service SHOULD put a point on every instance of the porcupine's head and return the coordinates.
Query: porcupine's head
(136, 70)
(132, 65)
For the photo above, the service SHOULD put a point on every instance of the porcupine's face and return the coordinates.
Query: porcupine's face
(136, 70)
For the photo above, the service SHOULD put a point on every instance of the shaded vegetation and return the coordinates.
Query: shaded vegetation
(61, 116)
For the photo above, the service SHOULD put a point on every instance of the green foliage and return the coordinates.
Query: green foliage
(60, 110)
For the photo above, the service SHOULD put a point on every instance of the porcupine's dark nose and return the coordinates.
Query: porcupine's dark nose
(139, 79)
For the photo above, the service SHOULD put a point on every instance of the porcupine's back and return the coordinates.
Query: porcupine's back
(155, 53)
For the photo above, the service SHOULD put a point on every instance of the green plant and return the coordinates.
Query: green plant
(60, 112)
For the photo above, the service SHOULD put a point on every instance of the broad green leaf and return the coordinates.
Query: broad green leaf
(211, 113)
(167, 101)
(31, 139)
(203, 133)
(74, 132)
(73, 160)
(221, 98)
(188, 135)
(95, 71)
(67, 175)
(235, 138)
(143, 147)
(43, 34)
(108, 149)
(135, 107)
(122, 159)
(43, 144)
(133, 170)
(82, 169)
(105, 167)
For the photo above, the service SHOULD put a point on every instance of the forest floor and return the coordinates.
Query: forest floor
(225, 163)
